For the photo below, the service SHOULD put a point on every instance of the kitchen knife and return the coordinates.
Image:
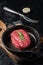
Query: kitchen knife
(23, 16)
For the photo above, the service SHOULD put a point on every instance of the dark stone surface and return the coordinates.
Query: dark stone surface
(4, 59)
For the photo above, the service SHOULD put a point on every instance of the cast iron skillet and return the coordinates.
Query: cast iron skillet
(34, 35)
(7, 46)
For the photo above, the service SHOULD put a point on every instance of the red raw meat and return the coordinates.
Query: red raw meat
(20, 39)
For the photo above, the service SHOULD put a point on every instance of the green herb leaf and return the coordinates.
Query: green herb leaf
(20, 35)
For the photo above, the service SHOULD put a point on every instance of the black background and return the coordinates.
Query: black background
(36, 10)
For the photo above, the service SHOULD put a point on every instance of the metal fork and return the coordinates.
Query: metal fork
(25, 17)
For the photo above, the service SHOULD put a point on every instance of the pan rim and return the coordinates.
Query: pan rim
(26, 50)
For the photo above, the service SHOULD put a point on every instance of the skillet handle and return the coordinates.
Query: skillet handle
(11, 55)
